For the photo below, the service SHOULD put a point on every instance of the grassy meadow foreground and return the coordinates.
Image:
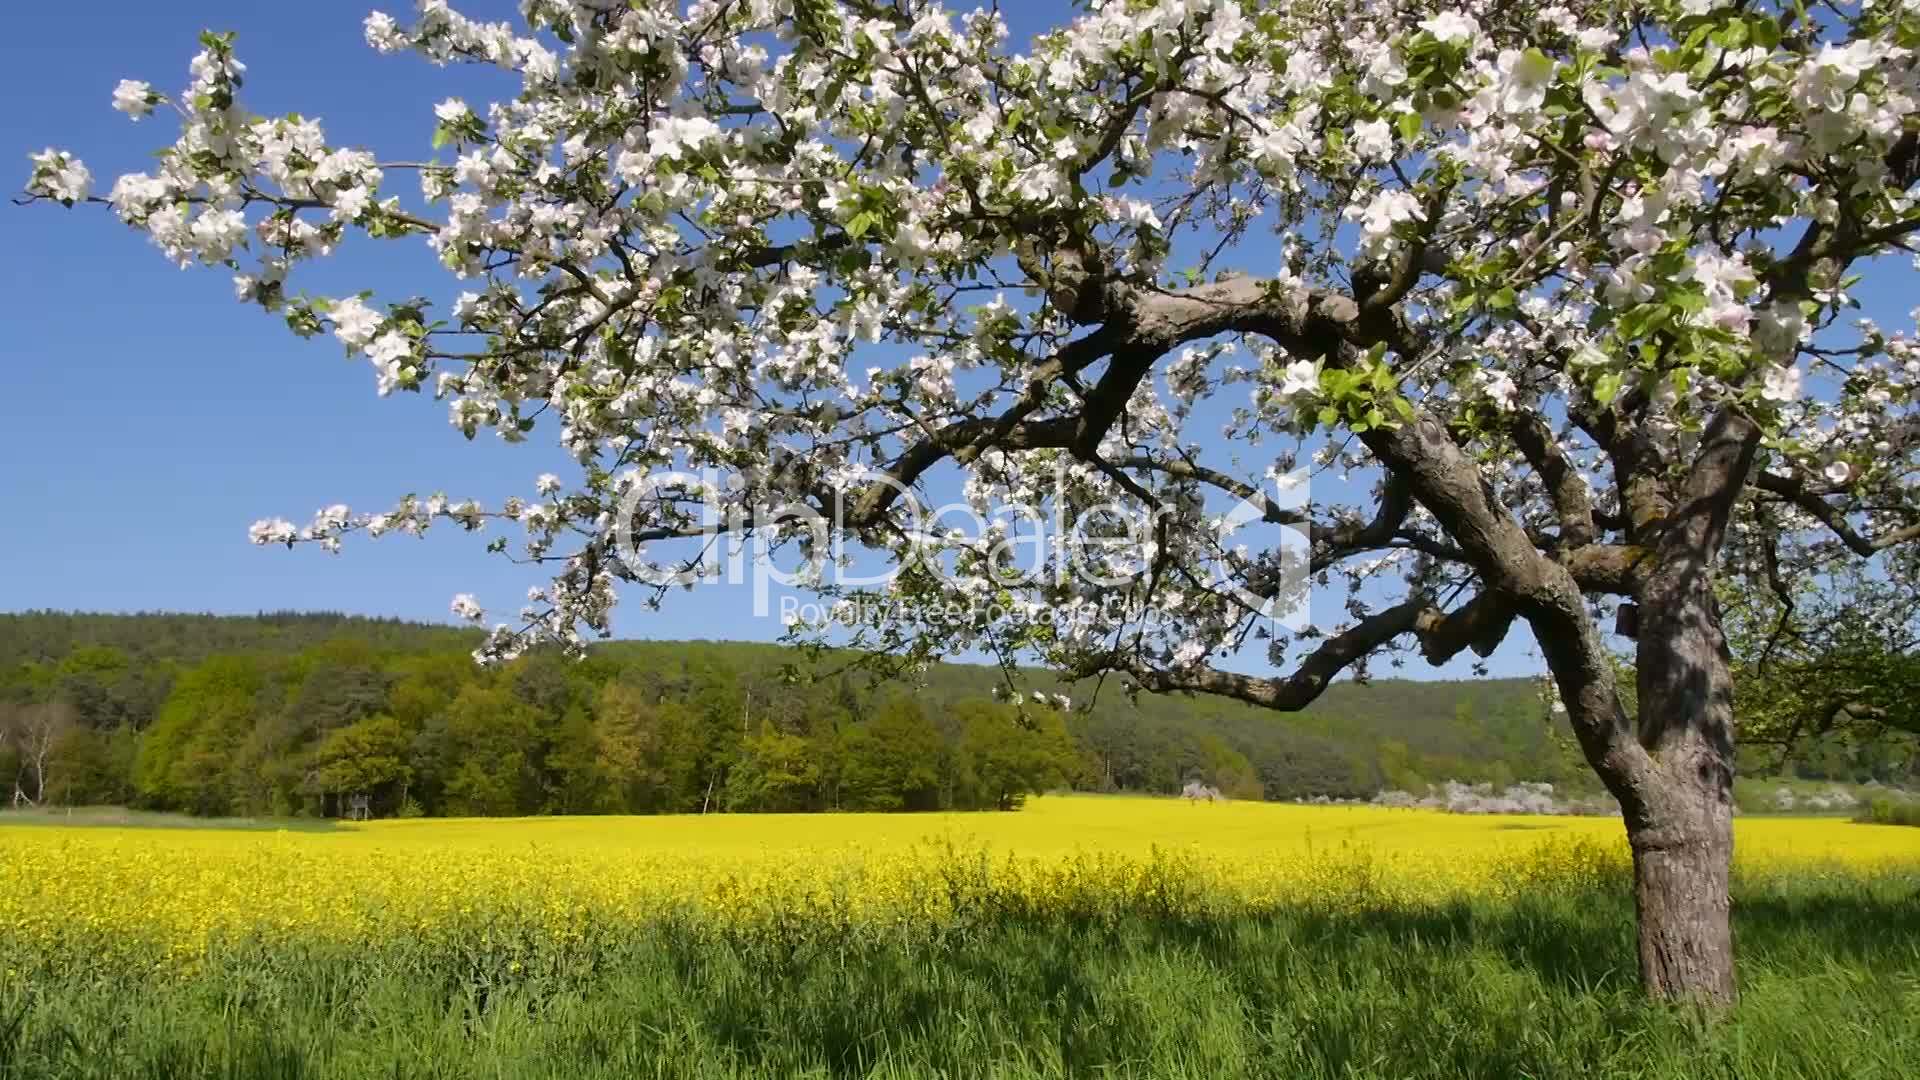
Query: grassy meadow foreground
(1079, 936)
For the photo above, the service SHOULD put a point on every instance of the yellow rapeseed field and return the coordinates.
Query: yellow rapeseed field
(163, 898)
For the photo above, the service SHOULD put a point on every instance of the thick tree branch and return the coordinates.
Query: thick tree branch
(1795, 490)
(1698, 525)
(1572, 502)
(1480, 624)
(1544, 592)
(1313, 675)
(1616, 569)
(1639, 469)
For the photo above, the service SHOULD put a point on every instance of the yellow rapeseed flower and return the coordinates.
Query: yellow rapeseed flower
(527, 889)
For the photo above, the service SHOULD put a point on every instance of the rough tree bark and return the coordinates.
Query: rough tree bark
(1680, 818)
(1672, 768)
(1681, 827)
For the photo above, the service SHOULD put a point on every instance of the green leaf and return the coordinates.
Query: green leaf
(861, 223)
(1409, 126)
(1606, 388)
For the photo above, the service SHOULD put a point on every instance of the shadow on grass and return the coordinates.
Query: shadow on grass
(1874, 932)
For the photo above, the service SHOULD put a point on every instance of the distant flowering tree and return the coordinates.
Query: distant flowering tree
(1565, 284)
(1195, 791)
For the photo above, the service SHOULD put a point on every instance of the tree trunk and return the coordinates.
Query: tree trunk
(1680, 822)
(1682, 859)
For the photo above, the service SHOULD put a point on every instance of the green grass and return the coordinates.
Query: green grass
(123, 818)
(1757, 795)
(1830, 970)
(1888, 811)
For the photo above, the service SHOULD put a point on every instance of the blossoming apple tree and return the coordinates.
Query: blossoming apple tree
(1567, 288)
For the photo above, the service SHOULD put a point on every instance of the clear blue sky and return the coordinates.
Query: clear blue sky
(148, 418)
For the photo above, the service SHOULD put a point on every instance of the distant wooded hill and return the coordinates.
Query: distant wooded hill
(302, 713)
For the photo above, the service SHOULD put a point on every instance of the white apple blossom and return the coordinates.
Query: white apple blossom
(217, 232)
(1597, 38)
(272, 531)
(1378, 217)
(389, 353)
(61, 176)
(1499, 387)
(1781, 383)
(1451, 26)
(1525, 75)
(354, 323)
(135, 195)
(1373, 140)
(383, 33)
(350, 203)
(133, 97)
(1824, 82)
(1299, 377)
(678, 135)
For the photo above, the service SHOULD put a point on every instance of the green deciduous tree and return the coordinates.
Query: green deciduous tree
(494, 755)
(186, 759)
(892, 760)
(1006, 753)
(366, 757)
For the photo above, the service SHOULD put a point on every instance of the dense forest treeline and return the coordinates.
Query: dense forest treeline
(298, 713)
